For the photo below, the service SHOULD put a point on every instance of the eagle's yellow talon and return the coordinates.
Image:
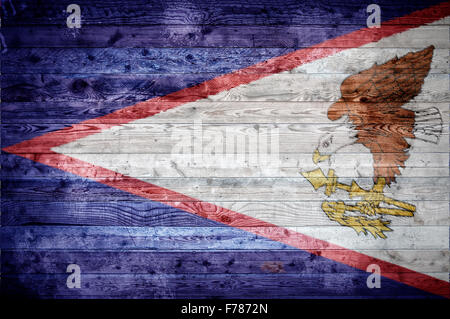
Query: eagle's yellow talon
(369, 205)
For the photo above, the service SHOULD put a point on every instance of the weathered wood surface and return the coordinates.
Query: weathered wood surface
(220, 112)
(139, 87)
(239, 261)
(117, 140)
(97, 36)
(209, 189)
(127, 246)
(197, 286)
(145, 214)
(186, 61)
(186, 238)
(230, 12)
(137, 165)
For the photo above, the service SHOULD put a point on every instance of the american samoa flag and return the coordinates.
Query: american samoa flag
(231, 149)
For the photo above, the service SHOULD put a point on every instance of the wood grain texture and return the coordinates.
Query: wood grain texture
(220, 112)
(161, 138)
(178, 60)
(98, 36)
(139, 87)
(198, 286)
(266, 12)
(186, 238)
(130, 247)
(210, 189)
(164, 138)
(187, 262)
(137, 165)
(148, 214)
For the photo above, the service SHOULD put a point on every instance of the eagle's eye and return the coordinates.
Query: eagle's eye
(364, 99)
(325, 144)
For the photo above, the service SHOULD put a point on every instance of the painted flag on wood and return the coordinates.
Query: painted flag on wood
(226, 150)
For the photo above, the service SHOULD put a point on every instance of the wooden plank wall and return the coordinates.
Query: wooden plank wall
(130, 51)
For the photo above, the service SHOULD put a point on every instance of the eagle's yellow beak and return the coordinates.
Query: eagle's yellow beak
(319, 158)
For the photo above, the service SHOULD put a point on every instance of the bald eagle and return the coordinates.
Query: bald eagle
(371, 113)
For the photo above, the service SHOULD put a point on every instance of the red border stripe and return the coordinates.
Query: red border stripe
(43, 144)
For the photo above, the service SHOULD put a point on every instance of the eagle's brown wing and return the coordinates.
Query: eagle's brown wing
(373, 101)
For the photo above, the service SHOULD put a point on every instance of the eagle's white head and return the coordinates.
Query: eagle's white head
(338, 150)
(339, 135)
